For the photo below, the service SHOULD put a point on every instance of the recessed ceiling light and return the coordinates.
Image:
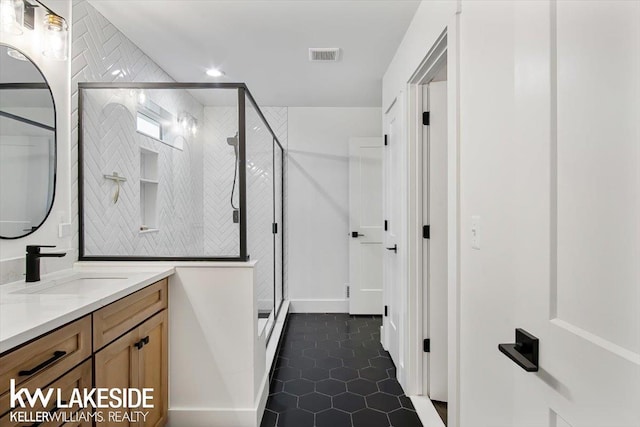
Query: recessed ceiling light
(214, 72)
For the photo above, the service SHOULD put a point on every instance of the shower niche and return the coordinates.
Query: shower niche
(148, 190)
(204, 178)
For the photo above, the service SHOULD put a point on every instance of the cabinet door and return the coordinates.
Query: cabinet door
(154, 366)
(117, 366)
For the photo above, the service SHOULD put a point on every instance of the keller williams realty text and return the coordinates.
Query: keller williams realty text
(119, 401)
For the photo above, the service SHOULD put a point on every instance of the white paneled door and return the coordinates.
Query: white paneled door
(366, 225)
(578, 120)
(392, 276)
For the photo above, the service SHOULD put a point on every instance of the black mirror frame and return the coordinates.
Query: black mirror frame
(55, 145)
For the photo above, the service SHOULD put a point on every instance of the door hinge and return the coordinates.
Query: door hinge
(386, 225)
(425, 118)
(426, 345)
(348, 291)
(386, 311)
(426, 231)
(385, 140)
(274, 228)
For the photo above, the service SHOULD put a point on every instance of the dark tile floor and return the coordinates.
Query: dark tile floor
(332, 371)
(441, 409)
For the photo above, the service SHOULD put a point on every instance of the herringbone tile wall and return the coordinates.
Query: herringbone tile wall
(198, 185)
(111, 144)
(221, 235)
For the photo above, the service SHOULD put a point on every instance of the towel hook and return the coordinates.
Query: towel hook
(118, 179)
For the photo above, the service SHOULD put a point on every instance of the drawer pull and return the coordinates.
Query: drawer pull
(142, 342)
(56, 355)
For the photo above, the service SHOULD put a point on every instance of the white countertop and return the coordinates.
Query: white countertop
(25, 315)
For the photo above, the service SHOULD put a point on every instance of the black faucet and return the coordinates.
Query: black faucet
(33, 261)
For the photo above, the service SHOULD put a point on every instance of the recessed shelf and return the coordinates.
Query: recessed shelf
(148, 165)
(148, 190)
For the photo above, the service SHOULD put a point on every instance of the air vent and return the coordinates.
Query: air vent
(324, 54)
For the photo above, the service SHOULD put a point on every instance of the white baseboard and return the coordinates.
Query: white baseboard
(261, 403)
(426, 411)
(319, 306)
(222, 417)
(212, 417)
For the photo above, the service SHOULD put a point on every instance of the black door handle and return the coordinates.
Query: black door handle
(355, 234)
(394, 248)
(144, 341)
(524, 352)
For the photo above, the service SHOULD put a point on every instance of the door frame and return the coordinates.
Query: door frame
(446, 48)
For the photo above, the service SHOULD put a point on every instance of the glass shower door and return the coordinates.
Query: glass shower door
(278, 237)
(260, 211)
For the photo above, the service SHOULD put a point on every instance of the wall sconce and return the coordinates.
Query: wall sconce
(188, 123)
(55, 37)
(11, 16)
(18, 15)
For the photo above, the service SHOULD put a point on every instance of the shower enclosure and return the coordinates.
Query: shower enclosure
(181, 172)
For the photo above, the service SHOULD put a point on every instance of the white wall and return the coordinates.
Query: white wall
(504, 179)
(57, 74)
(430, 20)
(489, 276)
(484, 63)
(217, 373)
(317, 203)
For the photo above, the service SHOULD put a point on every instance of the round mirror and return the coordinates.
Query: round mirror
(27, 145)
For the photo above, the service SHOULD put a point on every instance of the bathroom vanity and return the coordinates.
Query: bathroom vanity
(110, 335)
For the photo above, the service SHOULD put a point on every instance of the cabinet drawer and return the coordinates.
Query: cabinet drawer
(80, 377)
(117, 318)
(48, 357)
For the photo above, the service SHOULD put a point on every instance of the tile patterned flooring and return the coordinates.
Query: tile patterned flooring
(332, 371)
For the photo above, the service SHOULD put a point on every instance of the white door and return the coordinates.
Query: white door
(392, 276)
(366, 225)
(434, 249)
(579, 291)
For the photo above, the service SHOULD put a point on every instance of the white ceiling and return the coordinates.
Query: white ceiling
(265, 43)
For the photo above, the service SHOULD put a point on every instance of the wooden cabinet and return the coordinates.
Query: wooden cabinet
(138, 359)
(79, 377)
(39, 362)
(121, 316)
(129, 349)
(153, 368)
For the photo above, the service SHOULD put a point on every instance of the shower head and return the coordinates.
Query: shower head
(233, 141)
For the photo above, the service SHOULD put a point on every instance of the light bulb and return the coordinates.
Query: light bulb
(55, 37)
(11, 16)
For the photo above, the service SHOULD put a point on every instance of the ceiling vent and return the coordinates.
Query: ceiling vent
(324, 54)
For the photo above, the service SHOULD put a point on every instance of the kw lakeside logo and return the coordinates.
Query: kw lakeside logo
(94, 404)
